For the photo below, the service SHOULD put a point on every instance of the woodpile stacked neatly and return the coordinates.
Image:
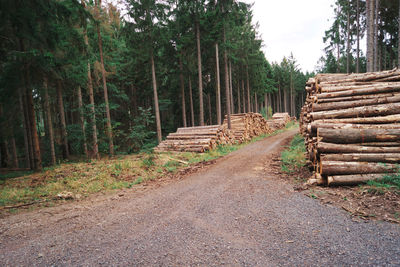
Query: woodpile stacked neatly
(196, 139)
(245, 126)
(351, 125)
(279, 121)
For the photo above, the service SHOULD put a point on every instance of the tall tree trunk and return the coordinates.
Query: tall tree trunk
(230, 87)
(25, 130)
(82, 120)
(49, 122)
(14, 151)
(243, 97)
(209, 109)
(370, 35)
(157, 111)
(255, 103)
(227, 91)
(398, 40)
(62, 120)
(348, 40)
(266, 104)
(182, 92)
(358, 37)
(201, 109)
(95, 147)
(191, 101)
(103, 74)
(285, 102)
(238, 96)
(376, 35)
(248, 89)
(218, 85)
(37, 166)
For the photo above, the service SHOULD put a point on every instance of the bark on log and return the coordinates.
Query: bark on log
(323, 147)
(362, 91)
(365, 157)
(369, 120)
(315, 99)
(343, 168)
(349, 136)
(354, 179)
(367, 111)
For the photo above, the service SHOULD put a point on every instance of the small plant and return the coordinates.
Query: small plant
(294, 156)
(387, 181)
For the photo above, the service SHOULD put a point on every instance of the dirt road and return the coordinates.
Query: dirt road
(229, 213)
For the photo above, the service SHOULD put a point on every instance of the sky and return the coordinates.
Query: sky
(293, 26)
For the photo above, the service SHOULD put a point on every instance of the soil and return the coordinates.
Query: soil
(228, 213)
(361, 201)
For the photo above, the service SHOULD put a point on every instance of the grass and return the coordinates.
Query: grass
(294, 157)
(85, 178)
(389, 181)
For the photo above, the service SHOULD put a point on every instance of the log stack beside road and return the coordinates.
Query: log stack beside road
(203, 138)
(351, 126)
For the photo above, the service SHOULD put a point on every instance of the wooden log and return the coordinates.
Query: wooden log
(323, 147)
(315, 99)
(347, 87)
(361, 91)
(345, 167)
(369, 120)
(354, 179)
(349, 136)
(356, 103)
(367, 111)
(366, 157)
(313, 126)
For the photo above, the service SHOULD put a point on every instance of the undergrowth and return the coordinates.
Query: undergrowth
(389, 181)
(294, 157)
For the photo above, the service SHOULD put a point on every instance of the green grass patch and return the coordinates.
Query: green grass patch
(294, 157)
(389, 181)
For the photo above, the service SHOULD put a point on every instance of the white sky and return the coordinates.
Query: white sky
(293, 26)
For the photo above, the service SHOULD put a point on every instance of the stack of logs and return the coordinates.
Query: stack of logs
(351, 125)
(196, 139)
(244, 126)
(279, 120)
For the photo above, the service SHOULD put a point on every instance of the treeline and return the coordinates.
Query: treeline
(78, 79)
(377, 21)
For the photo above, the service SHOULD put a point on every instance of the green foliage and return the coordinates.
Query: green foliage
(387, 181)
(140, 134)
(294, 157)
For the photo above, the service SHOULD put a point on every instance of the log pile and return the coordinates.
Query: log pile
(245, 126)
(279, 121)
(351, 126)
(196, 139)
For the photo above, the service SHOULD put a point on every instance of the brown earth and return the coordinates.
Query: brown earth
(229, 213)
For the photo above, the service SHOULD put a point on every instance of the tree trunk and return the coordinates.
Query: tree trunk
(49, 122)
(238, 97)
(218, 85)
(14, 152)
(348, 40)
(25, 130)
(95, 149)
(354, 178)
(370, 35)
(398, 40)
(209, 109)
(243, 97)
(324, 147)
(37, 166)
(82, 121)
(255, 103)
(199, 67)
(103, 74)
(231, 88)
(227, 91)
(358, 37)
(191, 101)
(157, 111)
(248, 89)
(266, 104)
(376, 35)
(182, 92)
(62, 120)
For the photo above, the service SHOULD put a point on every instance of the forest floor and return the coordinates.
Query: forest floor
(236, 212)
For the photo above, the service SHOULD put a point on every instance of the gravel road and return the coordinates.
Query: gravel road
(229, 213)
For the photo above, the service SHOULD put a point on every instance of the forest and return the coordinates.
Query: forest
(88, 79)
